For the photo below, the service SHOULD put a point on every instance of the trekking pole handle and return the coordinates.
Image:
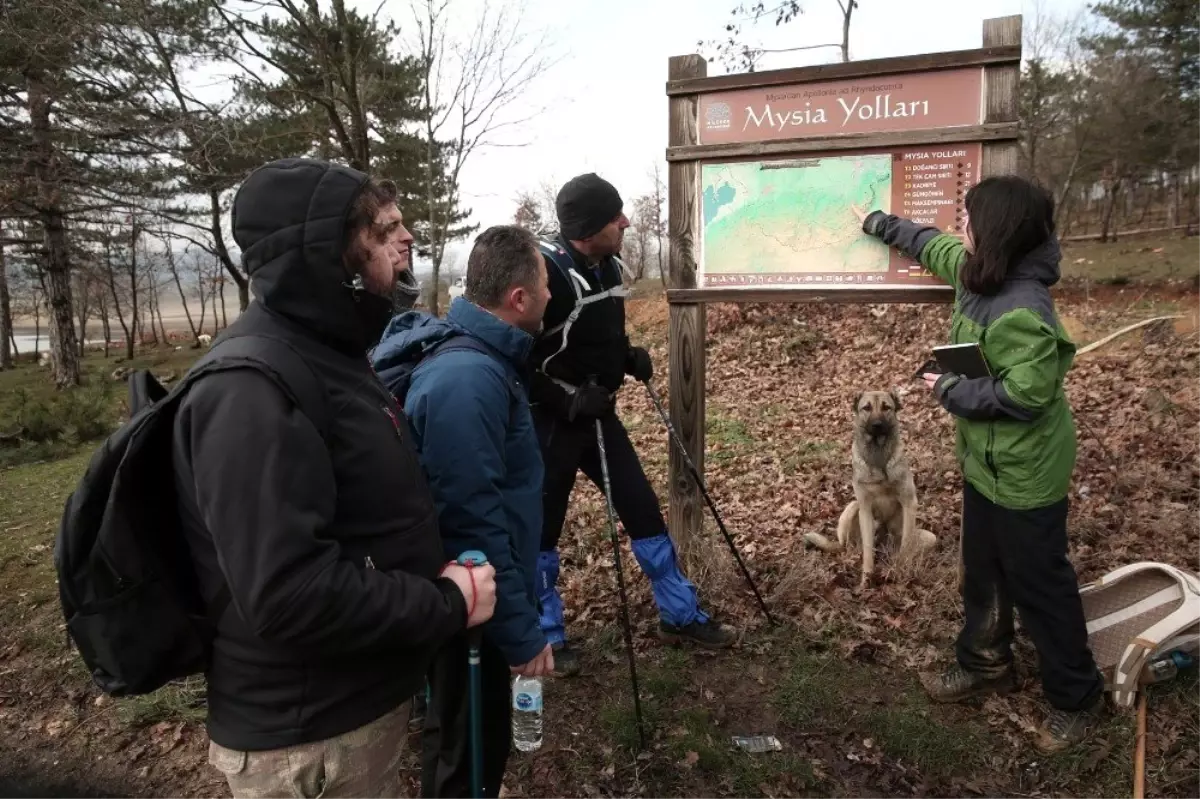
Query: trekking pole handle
(470, 559)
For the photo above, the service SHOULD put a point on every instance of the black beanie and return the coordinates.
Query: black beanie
(585, 205)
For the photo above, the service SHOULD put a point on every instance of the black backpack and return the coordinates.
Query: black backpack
(125, 577)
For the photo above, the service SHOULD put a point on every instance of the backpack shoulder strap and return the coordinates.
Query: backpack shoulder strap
(464, 341)
(279, 360)
(1161, 603)
(562, 260)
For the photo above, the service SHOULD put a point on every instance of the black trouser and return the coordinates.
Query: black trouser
(1019, 557)
(446, 740)
(568, 447)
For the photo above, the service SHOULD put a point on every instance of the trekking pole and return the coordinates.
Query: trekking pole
(711, 505)
(612, 527)
(469, 559)
(1139, 752)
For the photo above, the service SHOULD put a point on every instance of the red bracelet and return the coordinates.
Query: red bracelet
(471, 573)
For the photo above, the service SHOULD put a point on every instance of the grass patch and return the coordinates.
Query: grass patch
(183, 700)
(31, 503)
(813, 687)
(696, 740)
(38, 422)
(666, 679)
(728, 437)
(1128, 260)
(807, 453)
(620, 722)
(802, 342)
(1104, 762)
(907, 731)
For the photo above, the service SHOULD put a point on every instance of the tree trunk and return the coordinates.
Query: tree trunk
(6, 322)
(135, 324)
(112, 287)
(1106, 225)
(158, 310)
(83, 309)
(105, 324)
(148, 311)
(224, 316)
(182, 296)
(64, 351)
(242, 281)
(37, 326)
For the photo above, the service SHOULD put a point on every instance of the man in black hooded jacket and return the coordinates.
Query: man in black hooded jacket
(324, 540)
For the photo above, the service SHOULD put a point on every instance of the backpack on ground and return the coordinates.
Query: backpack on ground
(1136, 614)
(126, 583)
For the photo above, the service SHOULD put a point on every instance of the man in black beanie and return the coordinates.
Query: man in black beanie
(578, 365)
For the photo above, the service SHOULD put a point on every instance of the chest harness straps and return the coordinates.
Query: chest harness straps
(579, 283)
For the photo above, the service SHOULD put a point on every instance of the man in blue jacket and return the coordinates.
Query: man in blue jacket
(467, 404)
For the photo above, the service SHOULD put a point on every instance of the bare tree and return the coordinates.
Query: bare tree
(642, 226)
(174, 267)
(661, 234)
(6, 320)
(101, 299)
(81, 290)
(469, 83)
(735, 53)
(119, 261)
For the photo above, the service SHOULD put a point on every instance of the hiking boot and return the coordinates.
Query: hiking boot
(566, 661)
(710, 634)
(956, 684)
(1063, 729)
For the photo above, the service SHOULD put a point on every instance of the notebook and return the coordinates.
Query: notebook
(962, 359)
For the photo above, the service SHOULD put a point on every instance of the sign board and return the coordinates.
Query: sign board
(890, 103)
(788, 222)
(763, 168)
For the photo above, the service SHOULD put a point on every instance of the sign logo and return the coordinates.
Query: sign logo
(718, 117)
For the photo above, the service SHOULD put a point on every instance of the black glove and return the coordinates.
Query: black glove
(589, 401)
(638, 364)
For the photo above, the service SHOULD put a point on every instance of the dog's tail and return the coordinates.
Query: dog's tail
(847, 525)
(822, 543)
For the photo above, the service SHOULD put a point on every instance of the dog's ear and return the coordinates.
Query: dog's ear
(895, 400)
(857, 399)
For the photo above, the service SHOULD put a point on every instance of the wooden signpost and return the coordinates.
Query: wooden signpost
(763, 168)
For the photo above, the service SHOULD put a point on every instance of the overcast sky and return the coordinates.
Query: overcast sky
(606, 110)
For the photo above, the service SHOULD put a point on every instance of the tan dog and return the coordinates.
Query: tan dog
(884, 493)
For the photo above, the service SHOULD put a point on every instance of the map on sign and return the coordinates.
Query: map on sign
(784, 220)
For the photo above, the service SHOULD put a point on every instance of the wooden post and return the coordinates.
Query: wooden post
(687, 321)
(1001, 95)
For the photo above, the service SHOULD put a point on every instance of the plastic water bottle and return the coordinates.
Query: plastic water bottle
(527, 713)
(1165, 667)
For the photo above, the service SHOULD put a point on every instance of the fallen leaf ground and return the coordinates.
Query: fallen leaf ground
(835, 681)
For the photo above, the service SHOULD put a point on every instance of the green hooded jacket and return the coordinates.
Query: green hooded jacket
(1016, 435)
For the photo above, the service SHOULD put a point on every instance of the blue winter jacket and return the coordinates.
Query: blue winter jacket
(469, 413)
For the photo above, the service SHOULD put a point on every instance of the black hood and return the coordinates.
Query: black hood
(289, 217)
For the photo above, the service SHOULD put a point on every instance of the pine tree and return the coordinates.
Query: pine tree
(1162, 38)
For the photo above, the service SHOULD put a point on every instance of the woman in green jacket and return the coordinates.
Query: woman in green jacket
(1016, 445)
